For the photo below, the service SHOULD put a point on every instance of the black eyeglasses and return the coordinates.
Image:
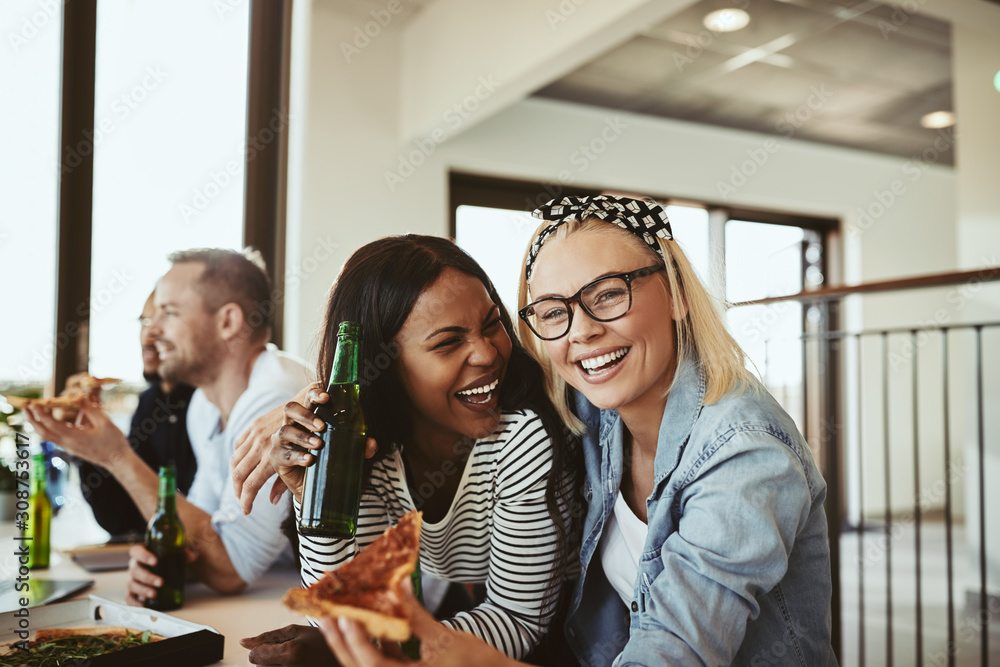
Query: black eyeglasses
(604, 300)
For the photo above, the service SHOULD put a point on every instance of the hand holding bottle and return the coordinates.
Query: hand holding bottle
(292, 444)
(143, 584)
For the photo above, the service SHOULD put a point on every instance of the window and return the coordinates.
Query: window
(765, 260)
(169, 156)
(28, 190)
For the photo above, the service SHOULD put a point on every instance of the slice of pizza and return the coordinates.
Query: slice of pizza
(66, 406)
(110, 632)
(367, 588)
(66, 646)
(88, 384)
(20, 402)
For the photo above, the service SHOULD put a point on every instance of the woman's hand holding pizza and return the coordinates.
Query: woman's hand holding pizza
(440, 645)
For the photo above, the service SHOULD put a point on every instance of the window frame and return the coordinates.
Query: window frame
(266, 177)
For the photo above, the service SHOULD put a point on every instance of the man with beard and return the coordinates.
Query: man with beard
(158, 434)
(211, 329)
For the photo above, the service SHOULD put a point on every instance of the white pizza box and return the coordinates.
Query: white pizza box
(187, 643)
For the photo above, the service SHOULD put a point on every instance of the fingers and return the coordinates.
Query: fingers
(140, 554)
(253, 484)
(291, 434)
(90, 413)
(243, 460)
(47, 426)
(316, 395)
(277, 490)
(370, 447)
(253, 445)
(268, 654)
(142, 589)
(422, 623)
(335, 640)
(296, 413)
(142, 583)
(269, 637)
(351, 644)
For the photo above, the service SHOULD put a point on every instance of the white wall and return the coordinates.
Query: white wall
(977, 105)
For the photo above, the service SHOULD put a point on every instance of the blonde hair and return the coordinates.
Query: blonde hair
(700, 332)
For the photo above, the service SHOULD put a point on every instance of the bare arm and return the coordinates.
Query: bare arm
(97, 440)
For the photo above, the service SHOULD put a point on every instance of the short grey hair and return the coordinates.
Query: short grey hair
(231, 276)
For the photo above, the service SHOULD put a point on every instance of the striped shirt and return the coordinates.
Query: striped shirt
(497, 531)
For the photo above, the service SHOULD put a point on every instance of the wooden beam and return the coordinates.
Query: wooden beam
(76, 190)
(265, 192)
(986, 274)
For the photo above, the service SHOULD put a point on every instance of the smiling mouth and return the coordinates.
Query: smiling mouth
(478, 395)
(605, 362)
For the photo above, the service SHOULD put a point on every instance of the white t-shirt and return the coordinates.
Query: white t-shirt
(254, 541)
(621, 548)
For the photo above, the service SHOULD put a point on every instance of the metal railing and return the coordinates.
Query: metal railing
(852, 380)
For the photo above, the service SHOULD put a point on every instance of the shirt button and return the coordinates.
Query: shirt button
(635, 606)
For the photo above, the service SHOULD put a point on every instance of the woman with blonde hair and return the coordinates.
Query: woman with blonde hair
(705, 540)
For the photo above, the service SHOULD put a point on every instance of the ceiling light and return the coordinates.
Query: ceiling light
(726, 20)
(938, 120)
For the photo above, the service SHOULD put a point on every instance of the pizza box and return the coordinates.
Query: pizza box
(186, 643)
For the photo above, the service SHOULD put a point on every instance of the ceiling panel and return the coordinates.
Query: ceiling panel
(879, 72)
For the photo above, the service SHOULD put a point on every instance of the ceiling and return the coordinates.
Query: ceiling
(843, 72)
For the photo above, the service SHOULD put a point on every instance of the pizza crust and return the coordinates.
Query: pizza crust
(66, 406)
(376, 624)
(376, 573)
(20, 402)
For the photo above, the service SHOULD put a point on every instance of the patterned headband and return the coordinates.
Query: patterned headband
(641, 217)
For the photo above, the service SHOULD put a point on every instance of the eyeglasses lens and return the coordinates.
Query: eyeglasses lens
(604, 300)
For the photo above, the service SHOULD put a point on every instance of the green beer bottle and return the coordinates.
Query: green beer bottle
(411, 647)
(39, 517)
(165, 540)
(331, 492)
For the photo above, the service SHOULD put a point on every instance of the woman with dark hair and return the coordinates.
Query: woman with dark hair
(466, 434)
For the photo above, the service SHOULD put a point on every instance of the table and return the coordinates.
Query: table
(257, 610)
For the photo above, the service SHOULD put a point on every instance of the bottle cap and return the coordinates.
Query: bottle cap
(349, 329)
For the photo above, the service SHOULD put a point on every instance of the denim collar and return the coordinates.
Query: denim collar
(683, 406)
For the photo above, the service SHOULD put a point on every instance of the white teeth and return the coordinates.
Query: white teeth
(597, 362)
(485, 389)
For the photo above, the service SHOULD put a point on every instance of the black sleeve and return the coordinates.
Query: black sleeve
(113, 507)
(158, 434)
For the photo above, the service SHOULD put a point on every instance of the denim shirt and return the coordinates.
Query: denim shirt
(735, 569)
